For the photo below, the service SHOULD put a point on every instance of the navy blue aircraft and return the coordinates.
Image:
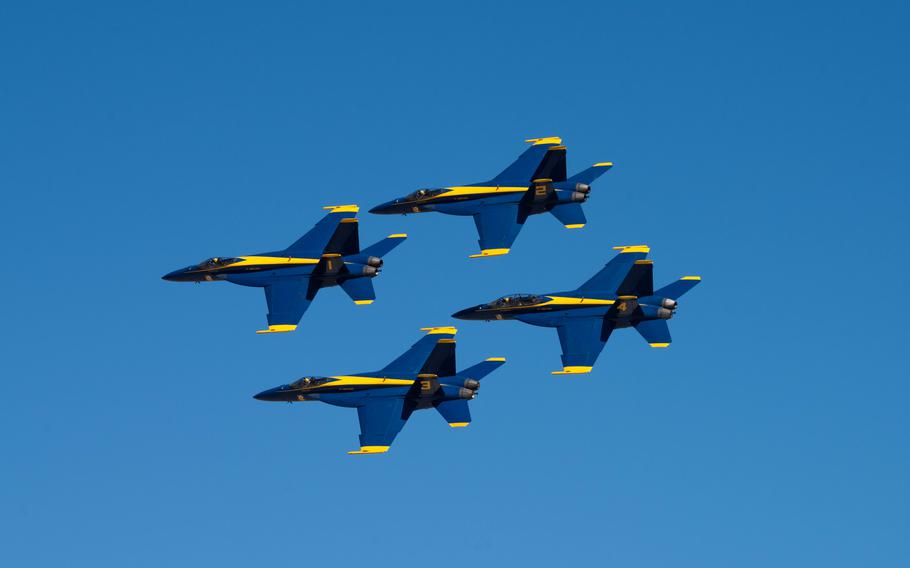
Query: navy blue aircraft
(423, 377)
(620, 295)
(535, 183)
(327, 255)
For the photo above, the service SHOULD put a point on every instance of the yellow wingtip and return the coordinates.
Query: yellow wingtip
(277, 329)
(603, 165)
(443, 329)
(398, 236)
(370, 450)
(659, 344)
(458, 424)
(546, 140)
(342, 208)
(575, 226)
(573, 370)
(502, 359)
(491, 252)
(691, 278)
(363, 302)
(633, 248)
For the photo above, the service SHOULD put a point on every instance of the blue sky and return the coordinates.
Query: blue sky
(759, 145)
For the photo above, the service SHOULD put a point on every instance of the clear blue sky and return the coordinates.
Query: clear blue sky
(761, 145)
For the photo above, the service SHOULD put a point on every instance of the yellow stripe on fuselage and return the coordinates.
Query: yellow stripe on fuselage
(355, 381)
(271, 261)
(565, 301)
(459, 191)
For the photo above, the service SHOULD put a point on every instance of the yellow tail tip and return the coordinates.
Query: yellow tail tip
(398, 236)
(277, 329)
(573, 370)
(575, 226)
(603, 165)
(659, 344)
(500, 359)
(546, 140)
(633, 248)
(370, 450)
(342, 208)
(458, 424)
(691, 278)
(363, 302)
(444, 329)
(491, 252)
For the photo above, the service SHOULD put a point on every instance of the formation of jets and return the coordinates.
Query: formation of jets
(620, 295)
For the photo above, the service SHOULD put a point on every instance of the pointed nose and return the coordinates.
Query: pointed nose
(270, 395)
(383, 208)
(468, 314)
(172, 276)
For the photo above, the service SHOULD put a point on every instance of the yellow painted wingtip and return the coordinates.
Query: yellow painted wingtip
(363, 302)
(691, 278)
(458, 424)
(398, 236)
(633, 248)
(443, 329)
(342, 208)
(546, 140)
(370, 450)
(575, 226)
(490, 252)
(501, 359)
(277, 329)
(603, 165)
(573, 370)
(659, 344)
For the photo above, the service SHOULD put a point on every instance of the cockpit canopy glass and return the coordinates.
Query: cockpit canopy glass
(308, 382)
(516, 300)
(216, 262)
(423, 194)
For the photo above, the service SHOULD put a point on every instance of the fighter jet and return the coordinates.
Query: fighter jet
(423, 377)
(327, 255)
(535, 183)
(620, 295)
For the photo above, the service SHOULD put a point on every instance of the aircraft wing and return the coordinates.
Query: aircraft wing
(380, 421)
(288, 299)
(582, 340)
(315, 241)
(611, 276)
(497, 225)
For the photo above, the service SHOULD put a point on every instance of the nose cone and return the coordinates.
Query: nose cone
(180, 275)
(393, 207)
(475, 313)
(270, 395)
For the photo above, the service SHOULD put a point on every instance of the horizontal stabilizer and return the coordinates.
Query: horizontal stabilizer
(656, 332)
(570, 214)
(589, 175)
(678, 288)
(360, 290)
(455, 412)
(380, 249)
(482, 369)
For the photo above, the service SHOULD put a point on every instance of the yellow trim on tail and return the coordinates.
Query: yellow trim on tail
(490, 252)
(547, 140)
(370, 450)
(573, 370)
(458, 424)
(633, 248)
(603, 165)
(342, 208)
(575, 226)
(495, 359)
(277, 328)
(363, 302)
(445, 329)
(691, 278)
(659, 344)
(398, 236)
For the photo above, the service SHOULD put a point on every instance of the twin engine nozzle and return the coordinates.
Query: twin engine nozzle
(372, 267)
(469, 389)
